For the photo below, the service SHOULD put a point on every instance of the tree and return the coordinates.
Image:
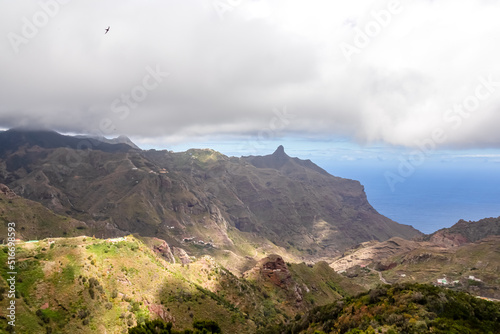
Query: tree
(211, 326)
(160, 327)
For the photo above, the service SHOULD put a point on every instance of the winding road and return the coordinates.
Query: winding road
(382, 279)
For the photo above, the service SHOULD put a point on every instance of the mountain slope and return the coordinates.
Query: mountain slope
(88, 285)
(277, 203)
(117, 140)
(450, 259)
(402, 308)
(465, 231)
(34, 221)
(327, 210)
(12, 140)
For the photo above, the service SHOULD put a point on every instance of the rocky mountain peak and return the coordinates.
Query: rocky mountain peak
(275, 160)
(280, 152)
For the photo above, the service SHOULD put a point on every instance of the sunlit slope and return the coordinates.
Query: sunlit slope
(84, 285)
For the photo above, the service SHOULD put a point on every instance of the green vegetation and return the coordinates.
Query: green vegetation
(83, 285)
(218, 299)
(402, 308)
(30, 273)
(103, 285)
(225, 228)
(159, 327)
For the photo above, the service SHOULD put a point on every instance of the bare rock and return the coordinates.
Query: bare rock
(274, 269)
(7, 192)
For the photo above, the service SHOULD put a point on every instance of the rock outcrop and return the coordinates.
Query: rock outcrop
(164, 249)
(9, 194)
(274, 269)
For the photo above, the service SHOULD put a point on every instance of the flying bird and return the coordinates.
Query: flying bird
(106, 31)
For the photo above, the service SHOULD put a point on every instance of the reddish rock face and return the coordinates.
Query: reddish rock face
(164, 249)
(275, 270)
(448, 239)
(161, 311)
(277, 263)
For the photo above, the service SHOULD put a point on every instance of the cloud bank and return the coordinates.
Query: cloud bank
(393, 72)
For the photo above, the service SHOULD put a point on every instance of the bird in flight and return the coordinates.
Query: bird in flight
(106, 30)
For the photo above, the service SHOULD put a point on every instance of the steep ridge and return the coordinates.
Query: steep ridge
(249, 205)
(464, 232)
(117, 140)
(280, 160)
(12, 140)
(333, 210)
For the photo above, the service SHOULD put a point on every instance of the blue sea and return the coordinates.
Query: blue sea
(434, 196)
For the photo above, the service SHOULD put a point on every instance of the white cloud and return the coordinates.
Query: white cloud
(227, 75)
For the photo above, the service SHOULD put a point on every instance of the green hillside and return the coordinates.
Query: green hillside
(401, 308)
(87, 285)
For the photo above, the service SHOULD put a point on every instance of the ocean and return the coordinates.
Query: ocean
(434, 196)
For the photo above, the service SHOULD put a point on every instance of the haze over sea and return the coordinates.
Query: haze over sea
(434, 197)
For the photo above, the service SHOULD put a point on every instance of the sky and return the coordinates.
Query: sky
(368, 79)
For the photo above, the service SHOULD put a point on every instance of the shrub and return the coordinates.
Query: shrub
(160, 327)
(209, 325)
(39, 313)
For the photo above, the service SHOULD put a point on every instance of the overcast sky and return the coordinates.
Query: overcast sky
(169, 73)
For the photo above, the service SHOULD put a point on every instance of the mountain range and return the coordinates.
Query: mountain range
(112, 236)
(201, 195)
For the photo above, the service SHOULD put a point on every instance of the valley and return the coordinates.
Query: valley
(111, 236)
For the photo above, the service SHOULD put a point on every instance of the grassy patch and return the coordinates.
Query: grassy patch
(68, 274)
(27, 322)
(29, 273)
(56, 316)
